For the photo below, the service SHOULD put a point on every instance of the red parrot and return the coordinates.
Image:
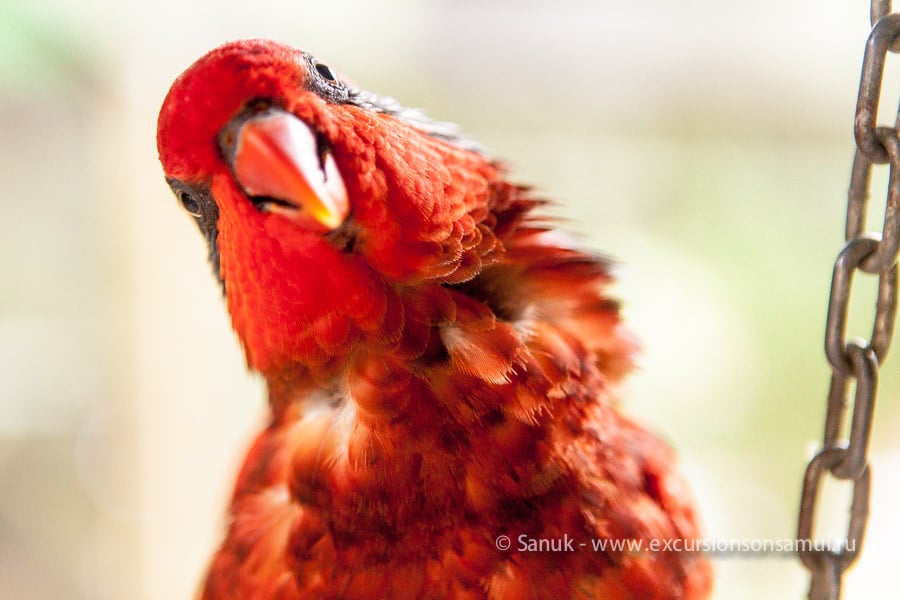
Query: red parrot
(441, 363)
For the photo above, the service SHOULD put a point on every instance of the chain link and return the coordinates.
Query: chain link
(851, 259)
(857, 360)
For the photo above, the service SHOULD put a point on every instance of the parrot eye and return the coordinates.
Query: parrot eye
(326, 72)
(321, 79)
(195, 200)
(189, 203)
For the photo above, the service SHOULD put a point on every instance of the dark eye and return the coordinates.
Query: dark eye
(326, 72)
(189, 203)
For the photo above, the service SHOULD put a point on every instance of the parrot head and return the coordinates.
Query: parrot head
(319, 201)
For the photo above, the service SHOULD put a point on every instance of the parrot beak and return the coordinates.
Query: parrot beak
(285, 169)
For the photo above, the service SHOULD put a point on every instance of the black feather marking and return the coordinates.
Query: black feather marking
(197, 200)
(322, 80)
(442, 130)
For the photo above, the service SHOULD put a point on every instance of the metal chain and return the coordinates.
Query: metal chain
(857, 360)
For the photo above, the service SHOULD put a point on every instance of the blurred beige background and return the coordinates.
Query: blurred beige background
(707, 148)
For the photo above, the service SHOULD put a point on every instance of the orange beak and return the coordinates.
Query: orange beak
(284, 168)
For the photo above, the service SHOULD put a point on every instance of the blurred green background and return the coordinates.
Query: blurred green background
(707, 149)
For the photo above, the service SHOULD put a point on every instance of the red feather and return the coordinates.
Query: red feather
(441, 366)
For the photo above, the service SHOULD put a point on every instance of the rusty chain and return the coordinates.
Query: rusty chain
(856, 360)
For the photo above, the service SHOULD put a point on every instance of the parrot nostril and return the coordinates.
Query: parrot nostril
(229, 134)
(226, 139)
(258, 105)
